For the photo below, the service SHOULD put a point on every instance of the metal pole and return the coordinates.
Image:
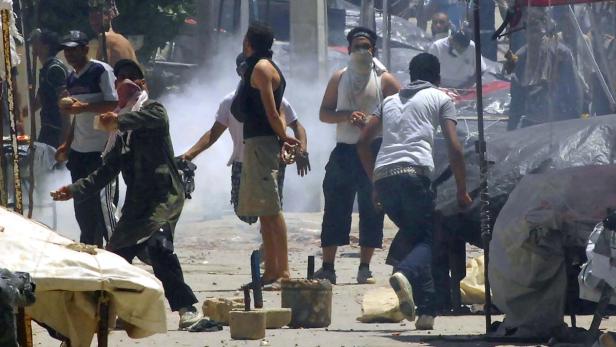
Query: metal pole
(486, 232)
(103, 39)
(8, 67)
(386, 34)
(24, 12)
(244, 16)
(367, 14)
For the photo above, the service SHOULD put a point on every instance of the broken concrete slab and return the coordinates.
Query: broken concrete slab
(380, 305)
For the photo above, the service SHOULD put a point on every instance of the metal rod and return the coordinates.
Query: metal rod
(103, 39)
(310, 273)
(486, 232)
(255, 270)
(386, 34)
(8, 67)
(246, 299)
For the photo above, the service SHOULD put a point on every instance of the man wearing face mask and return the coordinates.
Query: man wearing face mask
(545, 85)
(457, 56)
(142, 151)
(351, 95)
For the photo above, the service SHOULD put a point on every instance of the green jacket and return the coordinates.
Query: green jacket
(154, 191)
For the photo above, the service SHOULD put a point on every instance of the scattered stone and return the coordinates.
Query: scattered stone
(277, 318)
(380, 305)
(218, 309)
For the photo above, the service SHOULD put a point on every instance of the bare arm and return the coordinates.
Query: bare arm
(328, 113)
(81, 107)
(456, 160)
(389, 85)
(262, 79)
(300, 133)
(206, 141)
(372, 129)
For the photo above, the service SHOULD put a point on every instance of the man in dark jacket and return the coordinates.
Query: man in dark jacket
(154, 192)
(52, 84)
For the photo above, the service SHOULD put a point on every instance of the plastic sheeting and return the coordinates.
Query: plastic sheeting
(544, 214)
(599, 269)
(67, 279)
(514, 154)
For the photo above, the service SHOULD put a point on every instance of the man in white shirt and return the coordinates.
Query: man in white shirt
(402, 187)
(456, 54)
(225, 120)
(92, 86)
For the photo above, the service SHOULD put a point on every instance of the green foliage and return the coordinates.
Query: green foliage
(158, 20)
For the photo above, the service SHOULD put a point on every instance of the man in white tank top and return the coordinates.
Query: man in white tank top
(351, 95)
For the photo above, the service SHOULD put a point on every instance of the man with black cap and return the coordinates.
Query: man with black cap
(92, 90)
(456, 54)
(142, 151)
(351, 94)
(52, 84)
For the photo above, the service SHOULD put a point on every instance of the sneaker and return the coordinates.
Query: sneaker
(404, 291)
(323, 274)
(188, 317)
(364, 276)
(424, 322)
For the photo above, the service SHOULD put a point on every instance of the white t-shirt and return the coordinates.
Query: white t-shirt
(81, 87)
(409, 126)
(236, 129)
(455, 71)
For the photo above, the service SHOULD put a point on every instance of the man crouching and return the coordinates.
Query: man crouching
(143, 152)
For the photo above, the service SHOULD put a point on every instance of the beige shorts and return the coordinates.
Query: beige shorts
(259, 185)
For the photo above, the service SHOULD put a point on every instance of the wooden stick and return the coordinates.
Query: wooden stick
(24, 329)
(6, 42)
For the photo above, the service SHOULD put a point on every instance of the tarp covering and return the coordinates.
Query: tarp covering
(67, 281)
(544, 214)
(514, 154)
(600, 268)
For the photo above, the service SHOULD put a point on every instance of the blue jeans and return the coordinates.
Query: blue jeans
(409, 202)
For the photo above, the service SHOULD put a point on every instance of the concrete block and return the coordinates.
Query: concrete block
(247, 325)
(310, 302)
(380, 305)
(277, 318)
(218, 308)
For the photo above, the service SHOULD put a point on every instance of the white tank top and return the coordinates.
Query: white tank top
(366, 101)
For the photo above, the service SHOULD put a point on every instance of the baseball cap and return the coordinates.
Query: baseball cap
(74, 38)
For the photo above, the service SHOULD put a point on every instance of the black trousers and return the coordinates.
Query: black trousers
(166, 266)
(345, 179)
(88, 210)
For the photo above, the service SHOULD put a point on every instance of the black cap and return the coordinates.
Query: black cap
(75, 38)
(127, 63)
